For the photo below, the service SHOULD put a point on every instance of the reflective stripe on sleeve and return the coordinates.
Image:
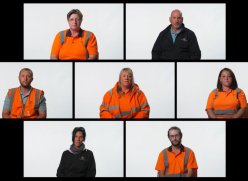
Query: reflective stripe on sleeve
(104, 104)
(137, 109)
(117, 116)
(144, 104)
(148, 112)
(113, 107)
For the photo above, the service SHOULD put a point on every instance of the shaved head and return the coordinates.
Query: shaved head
(176, 11)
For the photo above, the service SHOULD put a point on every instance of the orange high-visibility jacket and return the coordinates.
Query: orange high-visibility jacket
(139, 107)
(27, 111)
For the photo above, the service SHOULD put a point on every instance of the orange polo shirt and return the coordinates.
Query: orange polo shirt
(176, 161)
(125, 103)
(73, 47)
(226, 100)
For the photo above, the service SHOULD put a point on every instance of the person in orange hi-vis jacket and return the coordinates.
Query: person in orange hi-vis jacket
(125, 100)
(227, 101)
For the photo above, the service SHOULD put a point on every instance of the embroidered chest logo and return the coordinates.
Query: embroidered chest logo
(184, 39)
(82, 158)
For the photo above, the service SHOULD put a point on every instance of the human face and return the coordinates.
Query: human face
(176, 20)
(126, 79)
(175, 137)
(74, 22)
(78, 139)
(25, 78)
(226, 78)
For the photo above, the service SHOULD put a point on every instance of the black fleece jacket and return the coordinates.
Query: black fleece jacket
(184, 47)
(80, 165)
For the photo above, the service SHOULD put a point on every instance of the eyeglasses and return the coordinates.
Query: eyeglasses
(172, 136)
(74, 20)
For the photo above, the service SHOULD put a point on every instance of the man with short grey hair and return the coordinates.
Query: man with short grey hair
(24, 102)
(176, 41)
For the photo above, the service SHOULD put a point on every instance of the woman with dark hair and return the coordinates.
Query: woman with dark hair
(125, 100)
(77, 161)
(227, 101)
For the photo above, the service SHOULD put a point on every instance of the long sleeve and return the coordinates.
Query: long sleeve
(61, 169)
(145, 108)
(157, 49)
(91, 172)
(195, 53)
(104, 112)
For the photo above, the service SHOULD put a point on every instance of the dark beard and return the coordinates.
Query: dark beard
(177, 144)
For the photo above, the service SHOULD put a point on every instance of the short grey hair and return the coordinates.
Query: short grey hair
(27, 70)
(177, 10)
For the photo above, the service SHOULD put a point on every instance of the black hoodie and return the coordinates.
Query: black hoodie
(77, 165)
(184, 47)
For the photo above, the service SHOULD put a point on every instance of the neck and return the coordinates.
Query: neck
(25, 90)
(224, 88)
(74, 32)
(176, 148)
(175, 30)
(125, 89)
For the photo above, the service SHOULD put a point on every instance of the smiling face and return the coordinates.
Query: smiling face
(25, 78)
(176, 19)
(175, 137)
(226, 78)
(74, 22)
(78, 139)
(126, 79)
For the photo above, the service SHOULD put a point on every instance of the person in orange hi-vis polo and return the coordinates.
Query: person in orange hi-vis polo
(24, 102)
(125, 100)
(227, 101)
(74, 43)
(176, 160)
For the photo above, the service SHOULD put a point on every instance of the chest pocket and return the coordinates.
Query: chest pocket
(184, 43)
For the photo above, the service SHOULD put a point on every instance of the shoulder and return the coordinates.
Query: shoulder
(66, 152)
(88, 152)
(190, 32)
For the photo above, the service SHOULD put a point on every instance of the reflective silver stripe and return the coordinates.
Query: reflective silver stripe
(224, 115)
(11, 98)
(111, 92)
(186, 160)
(224, 111)
(238, 91)
(135, 109)
(148, 112)
(144, 104)
(62, 37)
(113, 108)
(126, 113)
(176, 175)
(138, 92)
(103, 110)
(85, 43)
(117, 116)
(104, 104)
(215, 92)
(36, 100)
(166, 162)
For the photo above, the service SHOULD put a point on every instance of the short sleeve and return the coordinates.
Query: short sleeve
(42, 105)
(192, 161)
(56, 45)
(160, 163)
(210, 101)
(242, 99)
(92, 45)
(6, 102)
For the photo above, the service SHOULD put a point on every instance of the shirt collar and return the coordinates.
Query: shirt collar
(28, 91)
(177, 32)
(79, 35)
(221, 90)
(181, 149)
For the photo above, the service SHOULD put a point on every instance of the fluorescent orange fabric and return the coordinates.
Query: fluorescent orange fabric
(134, 106)
(73, 47)
(226, 100)
(176, 161)
(16, 112)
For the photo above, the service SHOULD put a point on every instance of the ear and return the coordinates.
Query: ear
(182, 19)
(170, 19)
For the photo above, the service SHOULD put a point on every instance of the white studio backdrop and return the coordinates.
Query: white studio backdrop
(55, 79)
(94, 80)
(195, 81)
(144, 22)
(42, 22)
(45, 141)
(146, 139)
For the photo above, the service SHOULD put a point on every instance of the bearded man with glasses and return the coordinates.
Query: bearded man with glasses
(176, 160)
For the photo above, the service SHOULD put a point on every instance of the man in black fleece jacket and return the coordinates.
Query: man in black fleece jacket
(176, 41)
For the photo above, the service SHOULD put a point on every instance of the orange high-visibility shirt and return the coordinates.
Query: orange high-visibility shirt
(73, 47)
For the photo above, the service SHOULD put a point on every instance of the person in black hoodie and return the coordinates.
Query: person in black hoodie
(77, 161)
(176, 41)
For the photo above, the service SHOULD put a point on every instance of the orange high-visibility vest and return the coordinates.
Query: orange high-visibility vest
(31, 106)
(139, 107)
